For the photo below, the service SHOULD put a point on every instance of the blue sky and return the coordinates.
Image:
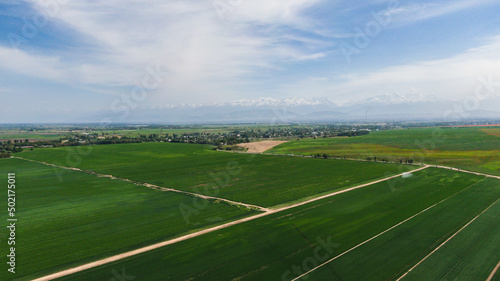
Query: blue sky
(74, 57)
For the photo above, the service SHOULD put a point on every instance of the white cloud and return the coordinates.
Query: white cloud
(451, 78)
(422, 11)
(210, 59)
(277, 12)
(203, 54)
(32, 65)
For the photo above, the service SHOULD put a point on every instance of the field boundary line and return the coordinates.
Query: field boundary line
(346, 190)
(366, 241)
(152, 186)
(466, 171)
(144, 249)
(383, 232)
(313, 157)
(363, 160)
(493, 272)
(199, 233)
(447, 240)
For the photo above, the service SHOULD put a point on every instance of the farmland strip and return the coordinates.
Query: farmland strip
(446, 241)
(199, 233)
(470, 172)
(156, 187)
(378, 235)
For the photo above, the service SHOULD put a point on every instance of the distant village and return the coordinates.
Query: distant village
(218, 140)
(76, 135)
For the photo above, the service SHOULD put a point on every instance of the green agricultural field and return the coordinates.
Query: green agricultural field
(262, 180)
(278, 246)
(77, 218)
(471, 255)
(180, 131)
(476, 149)
(22, 135)
(391, 255)
(212, 129)
(55, 134)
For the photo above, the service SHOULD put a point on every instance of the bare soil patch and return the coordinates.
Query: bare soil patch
(260, 146)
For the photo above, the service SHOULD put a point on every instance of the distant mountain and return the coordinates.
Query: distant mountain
(289, 102)
(261, 102)
(250, 110)
(395, 106)
(394, 98)
(387, 107)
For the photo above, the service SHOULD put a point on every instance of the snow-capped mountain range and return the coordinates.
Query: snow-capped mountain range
(259, 102)
(387, 107)
(395, 98)
(387, 99)
(281, 102)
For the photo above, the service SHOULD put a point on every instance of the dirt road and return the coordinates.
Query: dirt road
(192, 235)
(469, 172)
(267, 145)
(152, 186)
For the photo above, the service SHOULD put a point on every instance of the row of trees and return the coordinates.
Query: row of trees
(398, 160)
(401, 161)
(6, 149)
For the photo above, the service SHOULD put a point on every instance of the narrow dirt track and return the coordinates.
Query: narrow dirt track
(156, 187)
(212, 229)
(192, 235)
(492, 274)
(465, 171)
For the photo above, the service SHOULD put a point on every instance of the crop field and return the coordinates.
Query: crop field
(389, 256)
(229, 140)
(22, 135)
(76, 218)
(137, 132)
(55, 134)
(474, 248)
(212, 129)
(255, 179)
(473, 148)
(79, 205)
(411, 217)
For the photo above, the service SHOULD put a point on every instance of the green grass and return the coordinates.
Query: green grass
(53, 134)
(470, 255)
(269, 247)
(22, 135)
(180, 131)
(83, 217)
(256, 179)
(391, 255)
(212, 129)
(476, 149)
